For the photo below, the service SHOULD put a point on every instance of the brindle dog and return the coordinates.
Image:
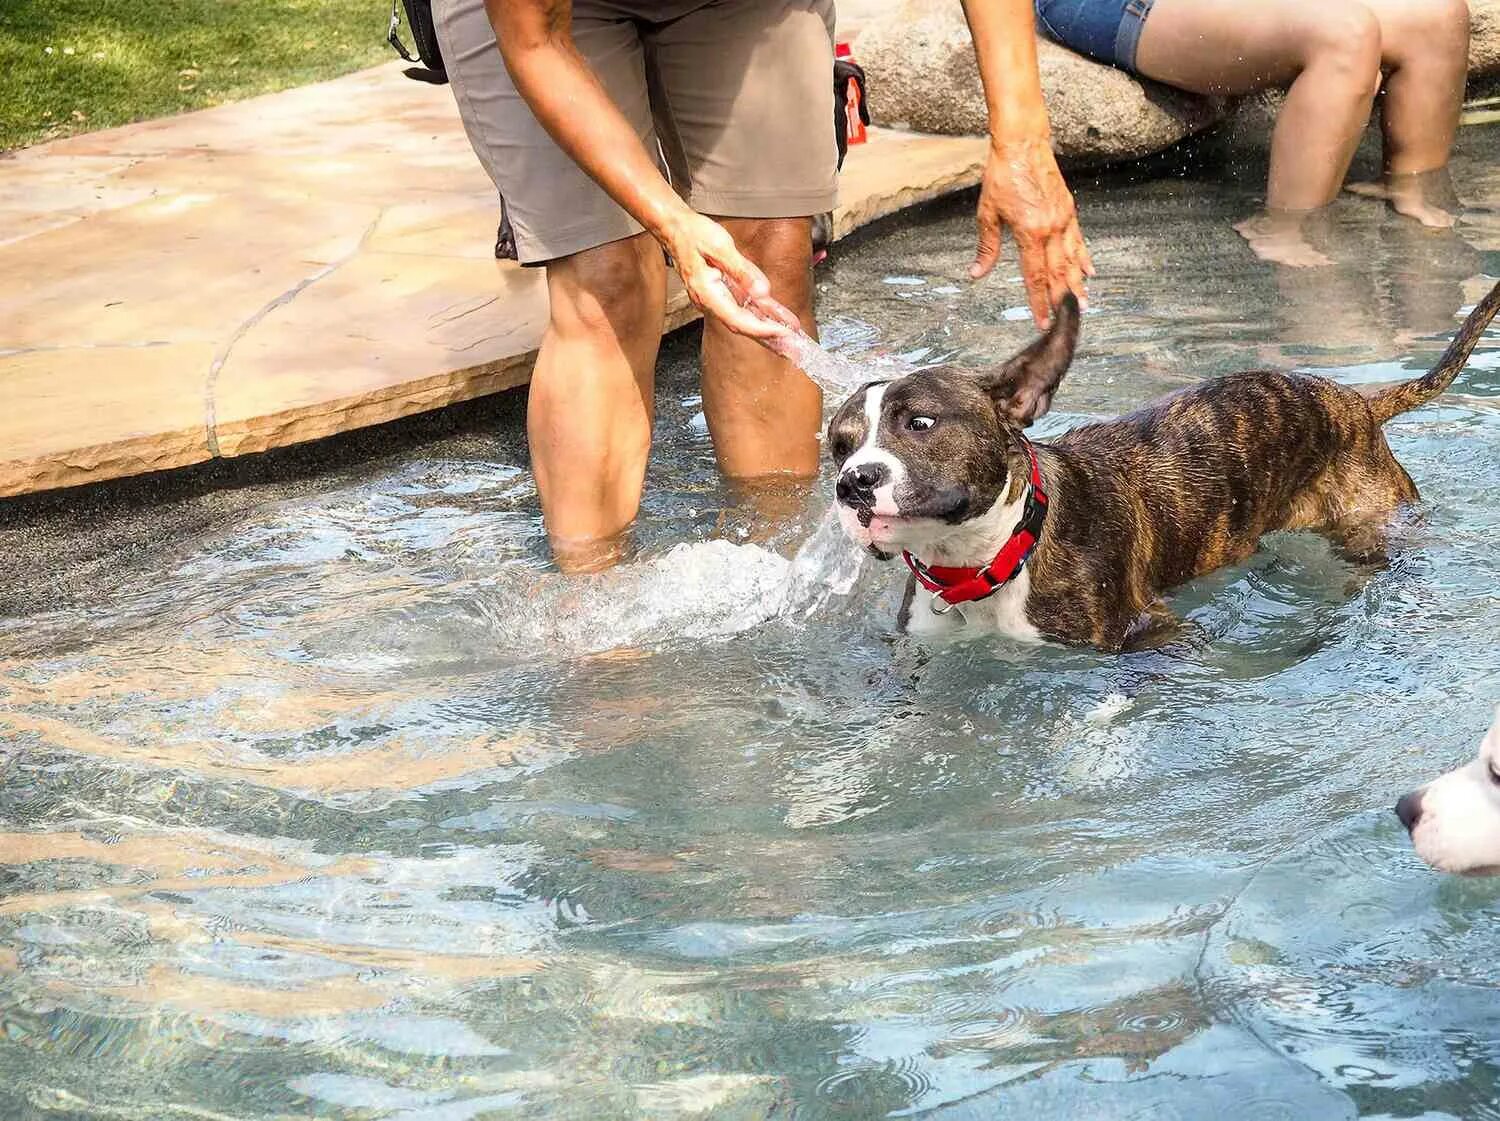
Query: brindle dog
(934, 464)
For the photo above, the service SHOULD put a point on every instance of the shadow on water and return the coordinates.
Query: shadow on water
(324, 797)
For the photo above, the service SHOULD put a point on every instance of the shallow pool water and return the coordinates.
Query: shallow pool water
(349, 808)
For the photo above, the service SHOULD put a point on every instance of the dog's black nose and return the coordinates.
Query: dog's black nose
(860, 480)
(1409, 809)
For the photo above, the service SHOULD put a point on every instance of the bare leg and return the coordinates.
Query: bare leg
(1425, 53)
(589, 413)
(764, 413)
(1328, 54)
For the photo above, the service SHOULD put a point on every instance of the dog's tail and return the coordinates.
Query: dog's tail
(1397, 399)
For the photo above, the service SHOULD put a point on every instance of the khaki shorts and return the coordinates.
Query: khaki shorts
(735, 96)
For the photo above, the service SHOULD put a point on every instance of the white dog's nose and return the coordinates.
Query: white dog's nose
(1409, 809)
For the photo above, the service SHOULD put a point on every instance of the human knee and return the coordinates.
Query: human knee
(1346, 37)
(776, 245)
(614, 288)
(782, 249)
(1447, 25)
(760, 237)
(1426, 31)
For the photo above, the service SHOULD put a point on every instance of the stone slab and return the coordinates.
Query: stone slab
(385, 336)
(454, 225)
(179, 266)
(356, 115)
(284, 269)
(101, 413)
(900, 169)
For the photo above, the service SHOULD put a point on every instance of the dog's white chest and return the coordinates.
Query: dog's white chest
(1002, 613)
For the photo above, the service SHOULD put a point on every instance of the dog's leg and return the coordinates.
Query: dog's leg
(1154, 627)
(1363, 542)
(1364, 499)
(903, 616)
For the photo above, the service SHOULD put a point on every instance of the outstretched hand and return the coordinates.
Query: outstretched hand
(722, 282)
(1023, 190)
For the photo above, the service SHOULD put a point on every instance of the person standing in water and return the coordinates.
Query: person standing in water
(569, 103)
(1334, 57)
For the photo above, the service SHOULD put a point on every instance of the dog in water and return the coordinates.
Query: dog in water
(1076, 539)
(1454, 821)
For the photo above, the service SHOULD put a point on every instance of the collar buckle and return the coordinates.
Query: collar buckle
(941, 606)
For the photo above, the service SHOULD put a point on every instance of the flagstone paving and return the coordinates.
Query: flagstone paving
(283, 269)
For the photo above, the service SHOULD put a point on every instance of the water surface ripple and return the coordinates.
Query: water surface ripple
(350, 808)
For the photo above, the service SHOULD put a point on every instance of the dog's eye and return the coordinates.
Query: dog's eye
(920, 423)
(1494, 775)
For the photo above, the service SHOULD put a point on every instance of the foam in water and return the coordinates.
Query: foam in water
(703, 590)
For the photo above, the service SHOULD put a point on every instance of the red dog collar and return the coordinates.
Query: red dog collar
(965, 585)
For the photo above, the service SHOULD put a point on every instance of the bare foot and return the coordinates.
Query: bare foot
(1411, 195)
(1276, 236)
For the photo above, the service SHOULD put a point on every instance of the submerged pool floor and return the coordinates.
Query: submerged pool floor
(332, 801)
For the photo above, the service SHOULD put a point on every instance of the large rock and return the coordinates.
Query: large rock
(1484, 38)
(923, 76)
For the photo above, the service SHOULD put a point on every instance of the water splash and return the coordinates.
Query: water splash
(827, 565)
(835, 375)
(700, 591)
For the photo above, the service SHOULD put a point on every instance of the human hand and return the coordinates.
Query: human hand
(1024, 190)
(722, 282)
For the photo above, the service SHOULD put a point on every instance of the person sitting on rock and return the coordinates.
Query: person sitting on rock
(569, 115)
(1334, 57)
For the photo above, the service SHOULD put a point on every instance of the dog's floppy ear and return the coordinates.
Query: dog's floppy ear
(1022, 389)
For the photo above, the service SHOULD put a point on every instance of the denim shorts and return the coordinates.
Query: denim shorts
(1106, 30)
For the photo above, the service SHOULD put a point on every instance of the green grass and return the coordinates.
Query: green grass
(68, 66)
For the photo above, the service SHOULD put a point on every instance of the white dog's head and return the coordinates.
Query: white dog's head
(1454, 821)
